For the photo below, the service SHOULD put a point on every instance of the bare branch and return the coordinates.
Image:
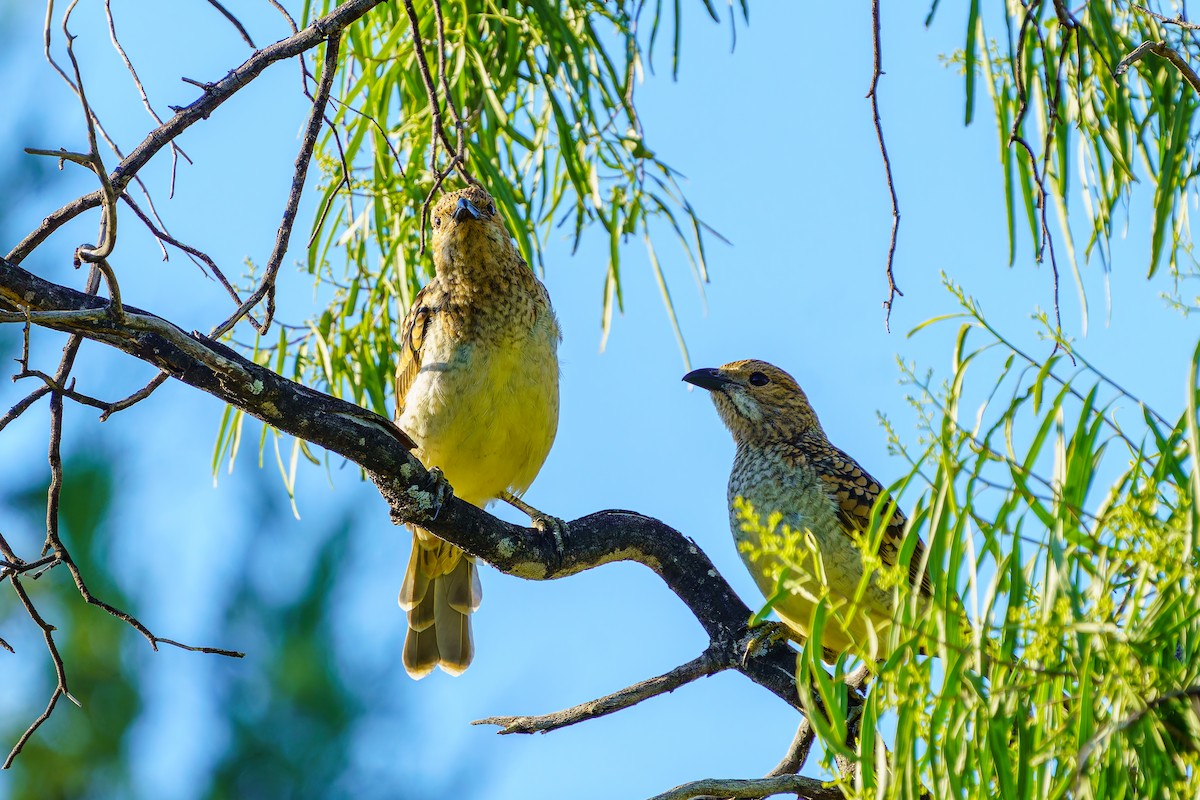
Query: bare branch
(136, 397)
(60, 672)
(1163, 51)
(435, 108)
(176, 151)
(23, 405)
(208, 365)
(241, 29)
(316, 117)
(797, 752)
(1047, 241)
(457, 149)
(20, 567)
(374, 442)
(214, 95)
(707, 663)
(217, 651)
(1177, 21)
(804, 788)
(873, 94)
(195, 254)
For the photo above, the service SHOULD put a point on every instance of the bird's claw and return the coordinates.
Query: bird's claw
(440, 489)
(543, 522)
(553, 526)
(764, 636)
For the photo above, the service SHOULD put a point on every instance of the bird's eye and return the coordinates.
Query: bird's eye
(437, 222)
(758, 379)
(491, 209)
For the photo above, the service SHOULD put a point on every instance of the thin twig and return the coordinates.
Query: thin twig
(66, 391)
(457, 149)
(23, 405)
(345, 182)
(266, 287)
(176, 151)
(195, 254)
(707, 663)
(287, 16)
(215, 94)
(873, 94)
(136, 397)
(1014, 137)
(107, 238)
(435, 108)
(20, 567)
(217, 651)
(234, 20)
(459, 127)
(60, 672)
(1177, 21)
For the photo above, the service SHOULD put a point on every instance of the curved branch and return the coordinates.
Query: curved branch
(376, 444)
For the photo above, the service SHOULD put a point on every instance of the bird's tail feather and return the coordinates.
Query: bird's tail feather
(441, 588)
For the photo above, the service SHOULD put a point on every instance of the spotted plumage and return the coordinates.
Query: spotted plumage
(785, 469)
(477, 390)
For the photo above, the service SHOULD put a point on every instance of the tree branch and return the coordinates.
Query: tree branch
(707, 663)
(214, 95)
(873, 94)
(805, 788)
(376, 444)
(1163, 51)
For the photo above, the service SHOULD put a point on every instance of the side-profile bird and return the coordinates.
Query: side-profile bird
(786, 473)
(477, 390)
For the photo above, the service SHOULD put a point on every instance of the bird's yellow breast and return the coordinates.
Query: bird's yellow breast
(486, 412)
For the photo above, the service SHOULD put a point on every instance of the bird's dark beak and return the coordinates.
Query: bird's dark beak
(707, 378)
(466, 209)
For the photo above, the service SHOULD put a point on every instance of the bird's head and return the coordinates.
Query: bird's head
(464, 216)
(757, 401)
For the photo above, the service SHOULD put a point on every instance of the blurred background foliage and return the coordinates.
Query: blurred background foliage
(96, 646)
(292, 714)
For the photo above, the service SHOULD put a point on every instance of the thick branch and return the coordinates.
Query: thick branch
(210, 366)
(375, 443)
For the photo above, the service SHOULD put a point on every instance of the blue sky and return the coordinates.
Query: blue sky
(780, 156)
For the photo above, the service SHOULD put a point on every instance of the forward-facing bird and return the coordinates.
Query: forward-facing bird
(786, 473)
(477, 390)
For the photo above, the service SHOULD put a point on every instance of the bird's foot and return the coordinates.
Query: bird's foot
(440, 489)
(545, 523)
(554, 526)
(763, 637)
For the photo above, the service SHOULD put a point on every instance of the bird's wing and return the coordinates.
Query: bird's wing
(855, 493)
(412, 338)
